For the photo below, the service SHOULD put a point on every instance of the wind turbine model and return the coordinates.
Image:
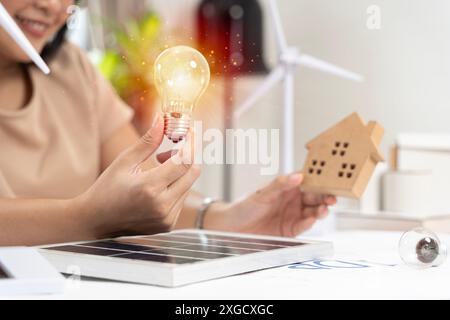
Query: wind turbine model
(290, 58)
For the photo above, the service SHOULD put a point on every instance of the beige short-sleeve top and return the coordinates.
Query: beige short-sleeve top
(51, 147)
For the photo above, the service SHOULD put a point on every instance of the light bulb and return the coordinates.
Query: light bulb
(181, 76)
(421, 248)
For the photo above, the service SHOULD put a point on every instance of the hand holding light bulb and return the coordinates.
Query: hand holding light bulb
(129, 199)
(181, 75)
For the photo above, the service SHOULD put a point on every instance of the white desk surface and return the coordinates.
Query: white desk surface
(378, 281)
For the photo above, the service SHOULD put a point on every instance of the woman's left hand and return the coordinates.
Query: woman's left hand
(279, 209)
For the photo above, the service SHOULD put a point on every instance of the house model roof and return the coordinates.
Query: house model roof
(341, 160)
(355, 125)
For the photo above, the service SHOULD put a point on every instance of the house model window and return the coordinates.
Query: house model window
(342, 159)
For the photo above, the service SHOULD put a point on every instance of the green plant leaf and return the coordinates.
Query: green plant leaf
(150, 27)
(109, 64)
(129, 67)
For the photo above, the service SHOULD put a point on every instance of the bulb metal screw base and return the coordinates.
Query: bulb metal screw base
(176, 125)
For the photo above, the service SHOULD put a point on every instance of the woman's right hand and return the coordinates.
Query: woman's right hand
(126, 200)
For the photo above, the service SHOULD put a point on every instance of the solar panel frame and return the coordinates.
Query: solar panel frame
(173, 275)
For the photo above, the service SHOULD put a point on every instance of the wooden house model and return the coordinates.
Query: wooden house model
(342, 159)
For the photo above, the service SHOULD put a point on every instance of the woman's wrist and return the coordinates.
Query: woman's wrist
(80, 215)
(218, 217)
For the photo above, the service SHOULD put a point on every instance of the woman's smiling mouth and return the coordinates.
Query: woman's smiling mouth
(35, 28)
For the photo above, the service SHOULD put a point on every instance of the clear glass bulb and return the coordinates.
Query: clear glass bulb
(421, 248)
(182, 75)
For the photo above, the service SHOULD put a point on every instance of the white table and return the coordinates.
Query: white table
(377, 281)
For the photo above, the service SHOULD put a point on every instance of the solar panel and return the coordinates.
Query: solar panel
(181, 257)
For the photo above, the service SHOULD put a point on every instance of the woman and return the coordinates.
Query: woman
(67, 171)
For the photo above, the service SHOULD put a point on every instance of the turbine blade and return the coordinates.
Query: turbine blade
(271, 80)
(279, 31)
(314, 63)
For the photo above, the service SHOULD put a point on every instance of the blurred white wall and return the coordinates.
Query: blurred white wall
(406, 64)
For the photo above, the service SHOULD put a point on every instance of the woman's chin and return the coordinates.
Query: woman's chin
(13, 52)
(22, 57)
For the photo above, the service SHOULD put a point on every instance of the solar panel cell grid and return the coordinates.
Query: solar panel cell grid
(277, 243)
(156, 258)
(86, 250)
(204, 240)
(177, 248)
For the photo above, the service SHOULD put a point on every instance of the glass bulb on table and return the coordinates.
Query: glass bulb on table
(421, 248)
(181, 75)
